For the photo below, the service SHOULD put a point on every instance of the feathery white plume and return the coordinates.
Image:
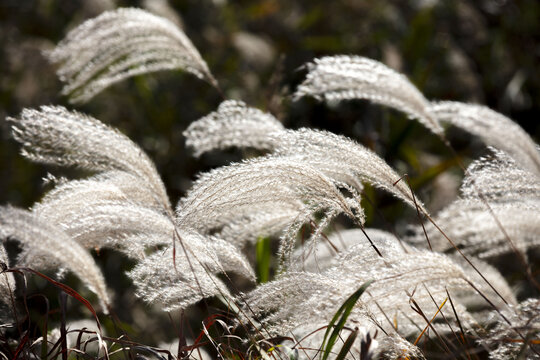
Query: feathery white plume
(7, 282)
(237, 191)
(112, 209)
(472, 227)
(401, 274)
(233, 124)
(119, 44)
(493, 128)
(509, 340)
(326, 253)
(498, 178)
(265, 223)
(111, 185)
(353, 77)
(191, 277)
(119, 225)
(232, 192)
(49, 247)
(513, 196)
(342, 159)
(55, 135)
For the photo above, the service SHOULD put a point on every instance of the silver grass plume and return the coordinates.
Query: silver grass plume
(507, 342)
(327, 254)
(119, 44)
(344, 160)
(493, 128)
(123, 226)
(403, 273)
(265, 223)
(113, 185)
(51, 248)
(513, 195)
(340, 158)
(335, 78)
(352, 77)
(125, 206)
(55, 135)
(178, 285)
(112, 209)
(239, 190)
(233, 124)
(499, 178)
(7, 281)
(473, 227)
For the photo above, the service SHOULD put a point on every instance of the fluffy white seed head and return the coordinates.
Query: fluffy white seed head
(499, 178)
(507, 340)
(344, 160)
(123, 226)
(55, 135)
(239, 191)
(472, 227)
(45, 246)
(493, 128)
(401, 274)
(353, 77)
(232, 192)
(233, 124)
(265, 223)
(119, 44)
(179, 281)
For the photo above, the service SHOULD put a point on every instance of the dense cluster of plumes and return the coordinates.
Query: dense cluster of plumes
(304, 180)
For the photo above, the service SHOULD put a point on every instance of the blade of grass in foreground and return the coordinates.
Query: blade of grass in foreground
(335, 326)
(264, 257)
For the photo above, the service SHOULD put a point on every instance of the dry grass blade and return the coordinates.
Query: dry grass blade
(119, 44)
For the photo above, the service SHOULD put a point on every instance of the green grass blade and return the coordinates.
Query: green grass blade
(335, 326)
(347, 345)
(263, 258)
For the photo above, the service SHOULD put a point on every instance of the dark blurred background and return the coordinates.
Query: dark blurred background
(478, 51)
